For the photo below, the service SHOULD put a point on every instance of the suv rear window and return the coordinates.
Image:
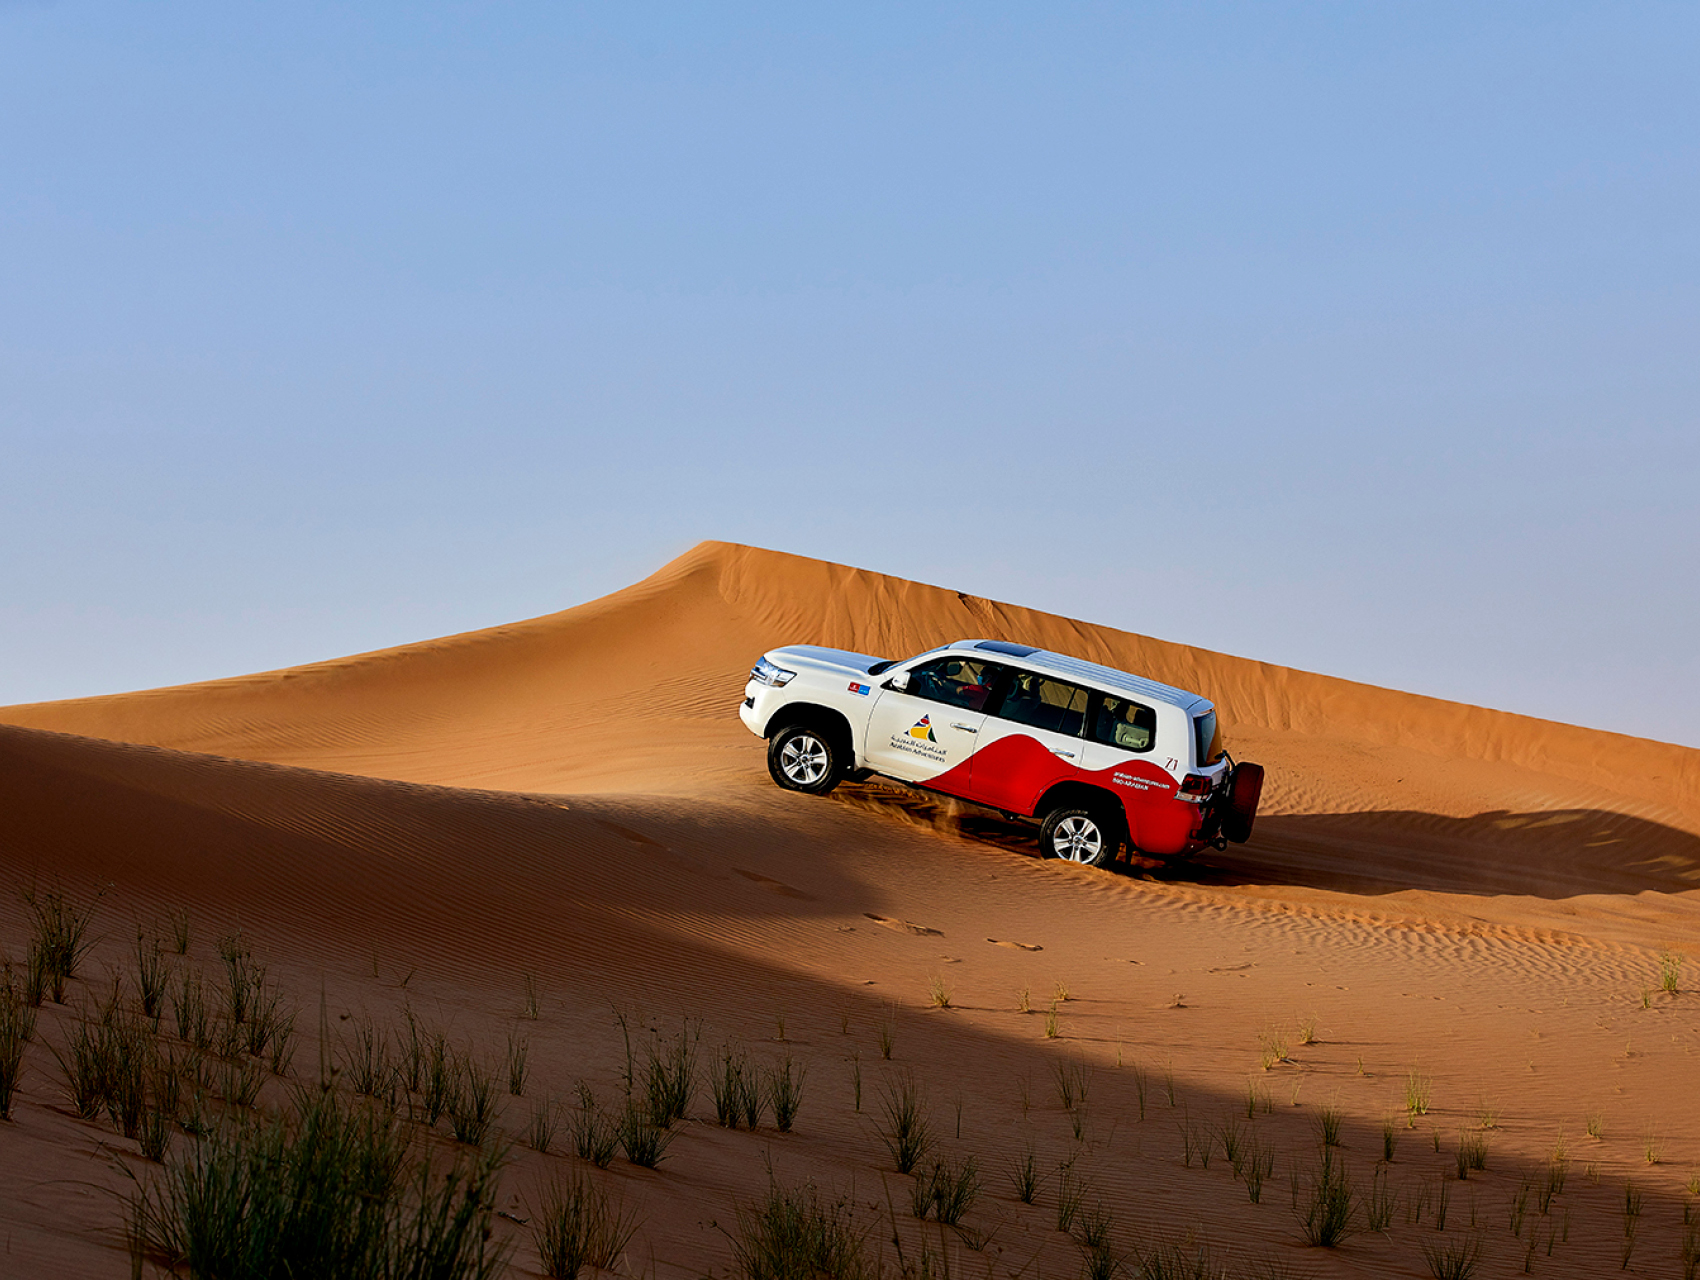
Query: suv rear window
(1204, 738)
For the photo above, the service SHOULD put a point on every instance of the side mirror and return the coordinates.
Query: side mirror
(900, 682)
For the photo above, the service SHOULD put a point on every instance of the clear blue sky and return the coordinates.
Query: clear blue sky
(1362, 338)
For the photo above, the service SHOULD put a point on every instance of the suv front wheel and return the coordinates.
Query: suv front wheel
(801, 758)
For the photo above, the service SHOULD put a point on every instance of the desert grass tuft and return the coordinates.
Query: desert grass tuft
(1052, 1028)
(856, 1080)
(439, 1083)
(59, 937)
(1471, 1154)
(528, 998)
(540, 1128)
(1670, 971)
(644, 1139)
(938, 991)
(1328, 1123)
(1071, 1196)
(1652, 1146)
(1024, 999)
(239, 1083)
(576, 1226)
(1024, 1175)
(1417, 1094)
(151, 977)
(17, 1028)
(596, 1135)
(179, 922)
(472, 1100)
(907, 1134)
(1258, 1166)
(1272, 1049)
(1519, 1206)
(1595, 1124)
(726, 1084)
(1453, 1259)
(1307, 1029)
(784, 1089)
(886, 1030)
(270, 1028)
(1325, 1209)
(947, 1190)
(236, 1204)
(1195, 1141)
(1074, 1081)
(795, 1231)
(366, 1059)
(189, 1010)
(669, 1074)
(1380, 1203)
(1233, 1143)
(518, 1047)
(90, 1059)
(1389, 1139)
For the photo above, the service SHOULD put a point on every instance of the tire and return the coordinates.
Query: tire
(803, 758)
(1239, 808)
(1077, 834)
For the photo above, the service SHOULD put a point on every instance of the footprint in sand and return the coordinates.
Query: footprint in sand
(1015, 946)
(903, 926)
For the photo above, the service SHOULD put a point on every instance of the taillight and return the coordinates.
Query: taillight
(1196, 784)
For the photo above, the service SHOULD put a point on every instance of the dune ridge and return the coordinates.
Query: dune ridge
(677, 644)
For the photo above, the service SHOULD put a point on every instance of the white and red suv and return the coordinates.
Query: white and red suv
(1100, 757)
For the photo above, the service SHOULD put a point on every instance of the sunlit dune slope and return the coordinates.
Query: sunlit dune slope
(637, 692)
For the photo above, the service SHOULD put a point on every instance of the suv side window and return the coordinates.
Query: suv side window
(1043, 703)
(956, 682)
(1117, 722)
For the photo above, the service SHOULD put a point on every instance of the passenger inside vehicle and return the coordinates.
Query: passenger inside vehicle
(1124, 724)
(1044, 703)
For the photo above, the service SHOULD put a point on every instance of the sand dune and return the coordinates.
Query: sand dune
(1474, 895)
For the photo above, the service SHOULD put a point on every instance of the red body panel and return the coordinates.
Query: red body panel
(1015, 772)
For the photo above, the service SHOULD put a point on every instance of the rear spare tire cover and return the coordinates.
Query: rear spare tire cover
(1245, 788)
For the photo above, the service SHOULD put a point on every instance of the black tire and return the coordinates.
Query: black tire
(803, 758)
(1239, 807)
(1078, 834)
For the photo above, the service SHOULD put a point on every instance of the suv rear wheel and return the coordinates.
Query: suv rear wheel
(1077, 834)
(802, 758)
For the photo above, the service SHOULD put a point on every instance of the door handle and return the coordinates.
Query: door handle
(966, 728)
(1058, 751)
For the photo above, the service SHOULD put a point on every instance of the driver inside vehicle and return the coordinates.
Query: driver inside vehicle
(955, 681)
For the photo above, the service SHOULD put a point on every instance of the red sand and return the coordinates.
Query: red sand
(1471, 894)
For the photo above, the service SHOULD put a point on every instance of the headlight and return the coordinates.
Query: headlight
(764, 672)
